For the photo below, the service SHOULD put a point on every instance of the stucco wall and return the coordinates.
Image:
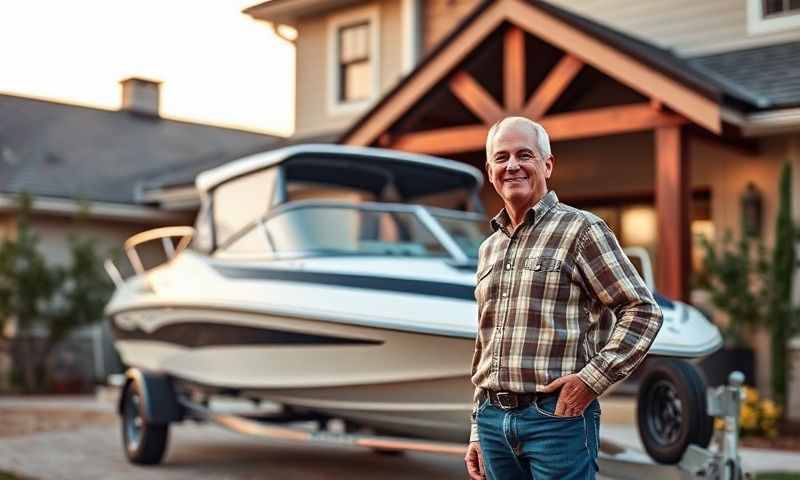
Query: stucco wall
(313, 78)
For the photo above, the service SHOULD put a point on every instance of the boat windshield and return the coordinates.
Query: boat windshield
(373, 229)
(468, 231)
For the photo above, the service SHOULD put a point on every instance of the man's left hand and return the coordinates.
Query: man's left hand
(575, 395)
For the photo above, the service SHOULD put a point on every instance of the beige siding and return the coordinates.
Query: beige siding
(439, 17)
(313, 70)
(689, 26)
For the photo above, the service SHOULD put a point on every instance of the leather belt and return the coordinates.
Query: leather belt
(511, 400)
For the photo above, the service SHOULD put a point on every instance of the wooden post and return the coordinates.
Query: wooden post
(673, 261)
(514, 69)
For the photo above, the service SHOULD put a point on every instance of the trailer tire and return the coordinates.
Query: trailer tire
(671, 410)
(144, 442)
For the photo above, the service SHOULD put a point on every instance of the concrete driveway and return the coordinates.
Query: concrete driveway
(60, 438)
(203, 451)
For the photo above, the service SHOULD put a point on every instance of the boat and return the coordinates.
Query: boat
(330, 280)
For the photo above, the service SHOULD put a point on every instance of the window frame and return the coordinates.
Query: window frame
(371, 16)
(759, 23)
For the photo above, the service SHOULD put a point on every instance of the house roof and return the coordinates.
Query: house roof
(186, 174)
(289, 11)
(770, 74)
(747, 80)
(75, 152)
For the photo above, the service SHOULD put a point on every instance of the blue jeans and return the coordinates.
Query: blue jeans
(532, 442)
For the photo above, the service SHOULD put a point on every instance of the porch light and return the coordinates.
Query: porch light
(751, 211)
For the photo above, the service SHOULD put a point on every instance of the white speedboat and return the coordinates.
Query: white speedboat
(333, 280)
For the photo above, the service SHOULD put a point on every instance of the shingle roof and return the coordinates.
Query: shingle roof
(771, 74)
(54, 149)
(185, 175)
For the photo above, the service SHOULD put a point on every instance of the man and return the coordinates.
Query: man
(551, 280)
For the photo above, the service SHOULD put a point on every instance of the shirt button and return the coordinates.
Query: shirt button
(505, 294)
(508, 266)
(537, 267)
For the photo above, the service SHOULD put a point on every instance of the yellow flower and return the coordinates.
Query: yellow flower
(719, 424)
(749, 418)
(750, 395)
(769, 409)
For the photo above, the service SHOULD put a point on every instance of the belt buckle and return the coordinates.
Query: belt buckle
(507, 400)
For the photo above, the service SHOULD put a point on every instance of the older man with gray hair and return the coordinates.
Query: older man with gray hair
(548, 277)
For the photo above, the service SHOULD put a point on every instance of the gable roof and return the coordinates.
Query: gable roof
(704, 87)
(74, 152)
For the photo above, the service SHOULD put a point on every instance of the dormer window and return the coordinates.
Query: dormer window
(766, 16)
(353, 60)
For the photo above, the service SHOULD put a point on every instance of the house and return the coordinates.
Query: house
(665, 116)
(71, 157)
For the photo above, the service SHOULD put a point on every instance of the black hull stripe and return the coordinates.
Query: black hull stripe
(417, 287)
(196, 334)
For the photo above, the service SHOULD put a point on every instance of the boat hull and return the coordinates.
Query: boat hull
(364, 375)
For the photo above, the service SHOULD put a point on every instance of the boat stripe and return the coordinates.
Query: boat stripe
(369, 282)
(199, 333)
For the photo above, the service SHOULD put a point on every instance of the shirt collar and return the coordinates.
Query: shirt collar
(501, 220)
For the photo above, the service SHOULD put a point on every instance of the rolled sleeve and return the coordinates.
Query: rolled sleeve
(613, 280)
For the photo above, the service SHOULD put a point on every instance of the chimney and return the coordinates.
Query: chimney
(140, 96)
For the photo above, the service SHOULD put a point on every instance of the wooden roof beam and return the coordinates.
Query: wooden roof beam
(565, 126)
(476, 98)
(444, 140)
(553, 86)
(608, 121)
(514, 69)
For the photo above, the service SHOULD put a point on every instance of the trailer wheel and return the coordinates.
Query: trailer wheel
(671, 410)
(144, 443)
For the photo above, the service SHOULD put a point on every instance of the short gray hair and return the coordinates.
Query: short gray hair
(542, 138)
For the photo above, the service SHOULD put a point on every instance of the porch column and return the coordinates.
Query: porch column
(672, 212)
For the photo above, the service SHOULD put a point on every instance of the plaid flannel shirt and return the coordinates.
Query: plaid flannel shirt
(558, 296)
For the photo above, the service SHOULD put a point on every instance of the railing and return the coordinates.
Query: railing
(165, 234)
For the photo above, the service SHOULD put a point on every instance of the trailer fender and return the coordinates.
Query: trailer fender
(159, 403)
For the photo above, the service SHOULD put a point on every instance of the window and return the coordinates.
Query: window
(771, 8)
(355, 71)
(349, 230)
(765, 16)
(252, 242)
(353, 60)
(240, 201)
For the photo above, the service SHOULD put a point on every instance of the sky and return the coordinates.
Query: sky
(217, 65)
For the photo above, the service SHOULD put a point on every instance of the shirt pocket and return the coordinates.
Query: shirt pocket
(482, 283)
(546, 277)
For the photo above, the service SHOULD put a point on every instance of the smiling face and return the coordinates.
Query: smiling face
(516, 168)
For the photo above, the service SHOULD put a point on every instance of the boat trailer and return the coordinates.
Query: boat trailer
(719, 462)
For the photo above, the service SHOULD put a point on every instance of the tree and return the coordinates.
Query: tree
(736, 278)
(782, 317)
(47, 302)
